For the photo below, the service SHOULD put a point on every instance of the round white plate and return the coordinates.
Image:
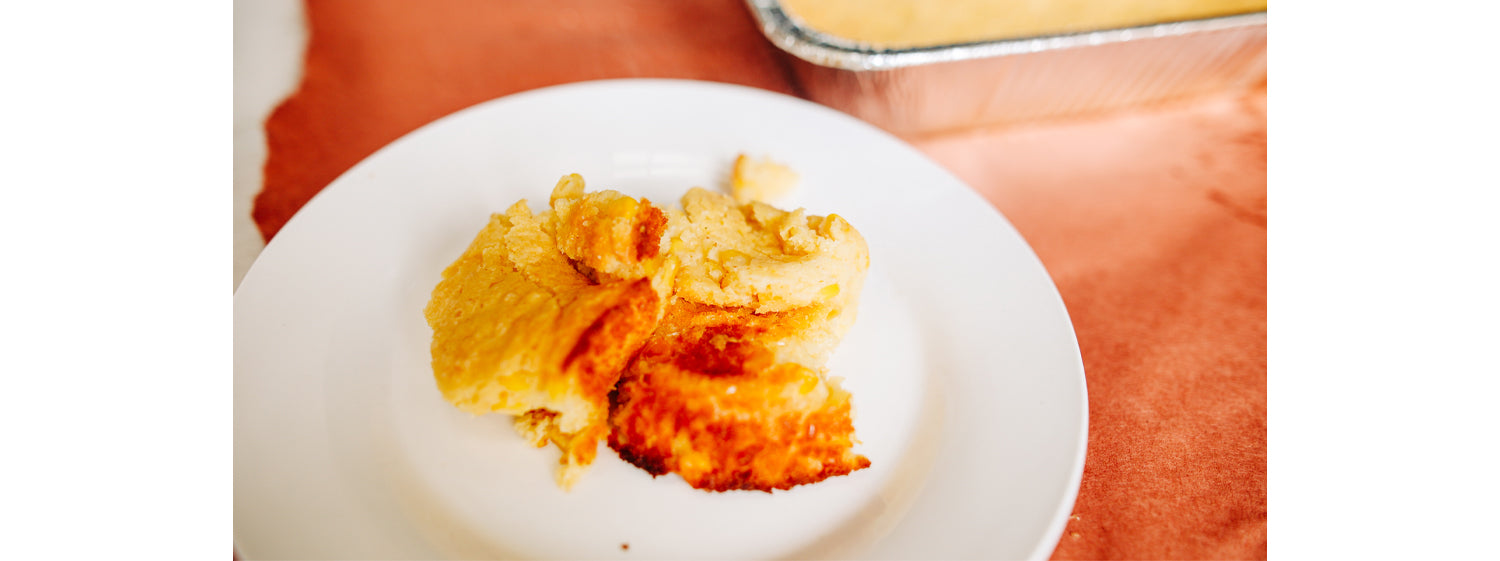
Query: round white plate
(968, 388)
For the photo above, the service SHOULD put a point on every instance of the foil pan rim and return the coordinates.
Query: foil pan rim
(836, 52)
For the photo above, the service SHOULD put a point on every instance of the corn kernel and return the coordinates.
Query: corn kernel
(622, 207)
(828, 292)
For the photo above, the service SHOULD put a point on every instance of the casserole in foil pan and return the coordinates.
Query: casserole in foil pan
(918, 90)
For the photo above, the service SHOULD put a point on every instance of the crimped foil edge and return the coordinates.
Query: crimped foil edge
(823, 49)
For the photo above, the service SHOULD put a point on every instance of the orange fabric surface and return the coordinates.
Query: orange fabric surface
(378, 69)
(1153, 225)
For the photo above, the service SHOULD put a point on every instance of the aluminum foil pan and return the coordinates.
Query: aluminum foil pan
(922, 90)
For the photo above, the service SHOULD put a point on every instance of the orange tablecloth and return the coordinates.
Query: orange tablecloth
(1152, 224)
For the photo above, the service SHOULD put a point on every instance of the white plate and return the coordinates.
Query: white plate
(967, 383)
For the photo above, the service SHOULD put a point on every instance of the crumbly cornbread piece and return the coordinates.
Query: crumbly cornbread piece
(518, 329)
(541, 315)
(760, 257)
(760, 180)
(609, 235)
(712, 398)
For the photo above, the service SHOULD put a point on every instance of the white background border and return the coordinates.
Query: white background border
(115, 410)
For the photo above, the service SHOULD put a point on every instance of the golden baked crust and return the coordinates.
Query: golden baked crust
(728, 392)
(517, 329)
(708, 399)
